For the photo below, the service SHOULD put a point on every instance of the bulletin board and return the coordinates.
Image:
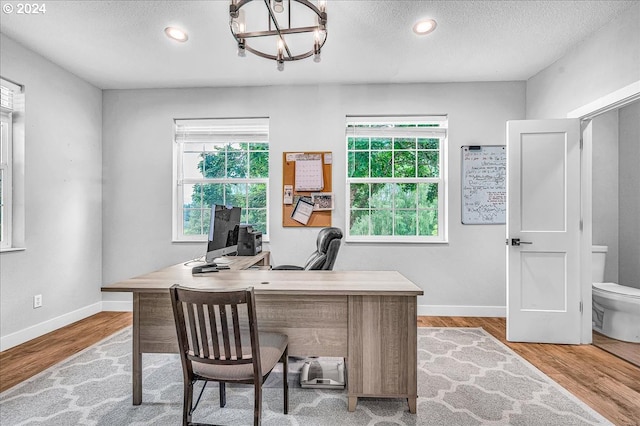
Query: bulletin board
(313, 177)
(484, 184)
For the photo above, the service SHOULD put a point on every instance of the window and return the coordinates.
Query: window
(396, 179)
(220, 161)
(11, 99)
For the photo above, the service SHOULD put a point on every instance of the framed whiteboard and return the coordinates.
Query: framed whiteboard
(484, 184)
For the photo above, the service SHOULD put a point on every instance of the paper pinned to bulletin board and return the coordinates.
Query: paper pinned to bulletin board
(306, 174)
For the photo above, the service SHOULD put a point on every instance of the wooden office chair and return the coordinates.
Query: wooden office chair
(219, 341)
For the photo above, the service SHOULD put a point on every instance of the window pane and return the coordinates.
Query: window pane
(192, 196)
(428, 196)
(359, 222)
(428, 164)
(192, 165)
(259, 164)
(257, 196)
(428, 222)
(362, 143)
(381, 164)
(382, 195)
(236, 194)
(257, 146)
(213, 165)
(404, 143)
(405, 222)
(212, 194)
(258, 218)
(382, 222)
(192, 222)
(358, 164)
(206, 220)
(428, 143)
(359, 194)
(381, 143)
(237, 164)
(406, 197)
(404, 164)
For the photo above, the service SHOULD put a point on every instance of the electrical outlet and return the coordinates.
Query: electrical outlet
(37, 301)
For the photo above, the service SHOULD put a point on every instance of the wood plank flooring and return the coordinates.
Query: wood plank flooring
(625, 350)
(608, 384)
(23, 361)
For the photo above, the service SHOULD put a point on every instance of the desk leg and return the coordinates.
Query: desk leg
(412, 404)
(353, 401)
(136, 370)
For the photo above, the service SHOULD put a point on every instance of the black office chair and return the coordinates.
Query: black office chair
(328, 244)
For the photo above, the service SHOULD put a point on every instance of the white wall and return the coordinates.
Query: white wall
(604, 62)
(629, 264)
(465, 276)
(63, 186)
(605, 189)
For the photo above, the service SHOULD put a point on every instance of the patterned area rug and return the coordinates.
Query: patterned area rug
(465, 377)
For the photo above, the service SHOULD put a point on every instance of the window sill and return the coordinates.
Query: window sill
(12, 249)
(413, 242)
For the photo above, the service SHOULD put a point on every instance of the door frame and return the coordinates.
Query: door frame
(585, 113)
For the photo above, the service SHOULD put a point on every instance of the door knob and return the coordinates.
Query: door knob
(517, 242)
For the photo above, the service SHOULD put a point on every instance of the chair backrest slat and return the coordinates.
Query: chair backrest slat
(236, 330)
(225, 331)
(204, 335)
(193, 334)
(213, 325)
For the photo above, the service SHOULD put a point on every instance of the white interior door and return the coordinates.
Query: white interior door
(543, 231)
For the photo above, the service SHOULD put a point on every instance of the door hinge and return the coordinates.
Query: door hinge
(581, 306)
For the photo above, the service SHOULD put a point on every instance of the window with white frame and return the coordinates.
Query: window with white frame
(7, 92)
(396, 179)
(224, 162)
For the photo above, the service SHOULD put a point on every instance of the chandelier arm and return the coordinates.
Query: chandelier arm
(275, 58)
(253, 34)
(267, 3)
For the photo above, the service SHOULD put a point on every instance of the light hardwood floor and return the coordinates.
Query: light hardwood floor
(605, 382)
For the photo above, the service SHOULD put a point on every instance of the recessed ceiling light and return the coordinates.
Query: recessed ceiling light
(177, 34)
(424, 27)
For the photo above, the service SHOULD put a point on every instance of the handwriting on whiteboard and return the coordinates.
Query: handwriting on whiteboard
(484, 186)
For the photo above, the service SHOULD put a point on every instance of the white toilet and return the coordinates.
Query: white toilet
(616, 308)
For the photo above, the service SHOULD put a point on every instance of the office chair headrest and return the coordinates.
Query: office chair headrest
(325, 236)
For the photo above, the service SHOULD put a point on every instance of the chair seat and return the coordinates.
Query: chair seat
(271, 347)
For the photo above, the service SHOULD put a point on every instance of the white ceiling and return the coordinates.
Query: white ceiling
(121, 44)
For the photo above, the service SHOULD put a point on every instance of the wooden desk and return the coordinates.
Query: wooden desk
(368, 317)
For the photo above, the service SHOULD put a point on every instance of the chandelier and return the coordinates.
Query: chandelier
(280, 30)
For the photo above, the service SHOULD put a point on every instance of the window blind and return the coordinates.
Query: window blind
(222, 130)
(389, 126)
(9, 92)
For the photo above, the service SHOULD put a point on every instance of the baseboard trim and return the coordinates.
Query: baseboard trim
(117, 305)
(462, 311)
(29, 333)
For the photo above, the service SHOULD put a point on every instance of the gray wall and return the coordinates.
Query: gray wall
(605, 189)
(629, 176)
(464, 276)
(63, 208)
(604, 62)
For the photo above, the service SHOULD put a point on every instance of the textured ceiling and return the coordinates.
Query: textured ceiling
(121, 44)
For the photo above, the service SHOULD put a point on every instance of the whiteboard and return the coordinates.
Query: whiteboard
(484, 184)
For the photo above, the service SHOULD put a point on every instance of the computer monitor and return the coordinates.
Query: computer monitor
(223, 231)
